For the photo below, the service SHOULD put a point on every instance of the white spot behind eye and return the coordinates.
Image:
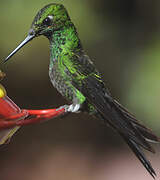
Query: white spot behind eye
(50, 17)
(48, 20)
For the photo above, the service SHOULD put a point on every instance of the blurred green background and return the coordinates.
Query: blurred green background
(122, 38)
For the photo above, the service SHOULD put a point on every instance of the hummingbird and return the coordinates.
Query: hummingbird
(74, 75)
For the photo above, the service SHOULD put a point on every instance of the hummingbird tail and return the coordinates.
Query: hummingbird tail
(142, 137)
(143, 131)
(5, 135)
(140, 155)
(136, 135)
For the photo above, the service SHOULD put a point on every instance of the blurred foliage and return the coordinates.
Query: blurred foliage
(144, 90)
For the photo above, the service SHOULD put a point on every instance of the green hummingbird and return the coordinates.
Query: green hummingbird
(74, 75)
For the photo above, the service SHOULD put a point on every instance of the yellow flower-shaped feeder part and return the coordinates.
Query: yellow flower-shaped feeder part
(2, 91)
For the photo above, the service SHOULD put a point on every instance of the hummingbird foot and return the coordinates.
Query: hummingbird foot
(74, 108)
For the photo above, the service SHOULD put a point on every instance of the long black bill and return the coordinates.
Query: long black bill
(28, 38)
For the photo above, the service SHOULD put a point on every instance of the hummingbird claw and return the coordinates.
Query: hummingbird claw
(74, 108)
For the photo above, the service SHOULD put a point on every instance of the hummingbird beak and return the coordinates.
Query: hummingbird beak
(28, 38)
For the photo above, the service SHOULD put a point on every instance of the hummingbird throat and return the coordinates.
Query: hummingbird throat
(64, 42)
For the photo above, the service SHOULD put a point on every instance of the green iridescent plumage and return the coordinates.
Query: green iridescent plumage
(74, 75)
(65, 50)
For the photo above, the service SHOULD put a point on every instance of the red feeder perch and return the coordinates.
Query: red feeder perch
(12, 117)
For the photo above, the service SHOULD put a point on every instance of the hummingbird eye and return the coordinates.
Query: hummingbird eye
(47, 21)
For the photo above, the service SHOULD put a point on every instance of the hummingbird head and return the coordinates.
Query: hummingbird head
(49, 19)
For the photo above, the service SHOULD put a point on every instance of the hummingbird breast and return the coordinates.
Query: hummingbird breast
(62, 82)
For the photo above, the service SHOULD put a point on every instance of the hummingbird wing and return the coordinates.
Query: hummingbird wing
(89, 82)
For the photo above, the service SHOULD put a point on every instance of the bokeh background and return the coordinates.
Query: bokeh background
(123, 40)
